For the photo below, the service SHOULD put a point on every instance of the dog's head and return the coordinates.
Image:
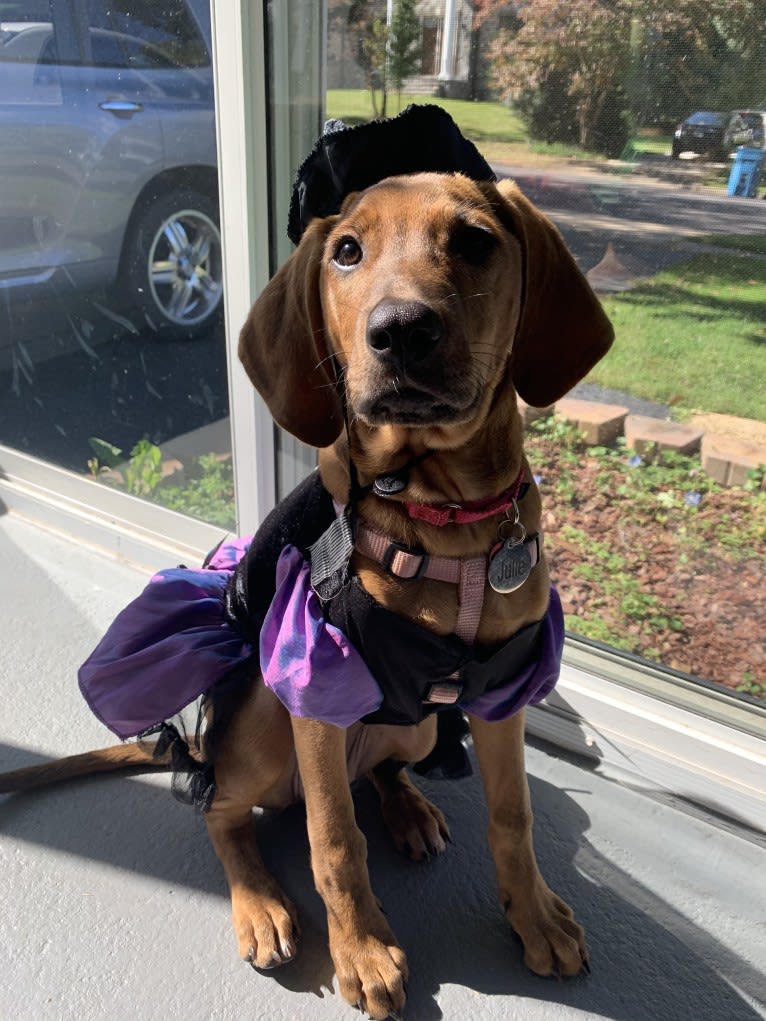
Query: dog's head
(433, 293)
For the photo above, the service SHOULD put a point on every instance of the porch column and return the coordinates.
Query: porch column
(448, 40)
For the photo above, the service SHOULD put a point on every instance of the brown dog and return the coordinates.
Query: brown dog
(439, 298)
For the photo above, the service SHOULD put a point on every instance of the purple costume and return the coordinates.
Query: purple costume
(338, 658)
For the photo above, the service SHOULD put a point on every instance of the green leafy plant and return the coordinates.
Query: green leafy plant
(106, 456)
(751, 686)
(143, 471)
(208, 492)
(209, 495)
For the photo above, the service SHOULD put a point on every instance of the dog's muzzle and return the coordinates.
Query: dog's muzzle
(402, 334)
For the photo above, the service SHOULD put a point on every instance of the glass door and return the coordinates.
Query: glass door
(643, 142)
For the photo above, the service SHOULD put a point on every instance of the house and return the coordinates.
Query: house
(450, 43)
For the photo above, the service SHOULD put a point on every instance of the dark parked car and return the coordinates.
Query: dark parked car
(108, 156)
(709, 133)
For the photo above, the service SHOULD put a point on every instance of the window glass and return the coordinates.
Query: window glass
(112, 356)
(28, 54)
(638, 129)
(139, 33)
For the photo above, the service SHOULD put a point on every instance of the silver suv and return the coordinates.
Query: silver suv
(108, 158)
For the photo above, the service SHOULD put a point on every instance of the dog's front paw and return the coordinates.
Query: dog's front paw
(554, 943)
(371, 970)
(418, 827)
(266, 925)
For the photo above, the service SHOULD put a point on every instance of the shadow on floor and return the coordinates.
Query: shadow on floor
(648, 960)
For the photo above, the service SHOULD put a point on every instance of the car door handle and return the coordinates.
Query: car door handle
(121, 106)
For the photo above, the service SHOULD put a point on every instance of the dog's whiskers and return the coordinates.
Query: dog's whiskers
(327, 358)
(457, 294)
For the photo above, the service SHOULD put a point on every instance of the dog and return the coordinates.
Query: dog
(395, 339)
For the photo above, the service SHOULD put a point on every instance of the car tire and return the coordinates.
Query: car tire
(172, 266)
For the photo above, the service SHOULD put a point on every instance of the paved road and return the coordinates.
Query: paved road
(649, 221)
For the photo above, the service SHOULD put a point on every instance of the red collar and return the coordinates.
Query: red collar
(469, 511)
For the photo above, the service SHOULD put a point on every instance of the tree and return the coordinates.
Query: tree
(369, 18)
(583, 68)
(404, 43)
(386, 53)
(572, 54)
(481, 12)
(708, 55)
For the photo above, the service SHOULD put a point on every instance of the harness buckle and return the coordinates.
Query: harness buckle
(443, 693)
(397, 547)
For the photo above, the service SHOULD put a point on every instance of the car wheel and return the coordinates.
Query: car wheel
(173, 267)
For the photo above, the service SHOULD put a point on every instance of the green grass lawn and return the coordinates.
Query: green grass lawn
(693, 337)
(497, 131)
(651, 146)
(479, 121)
(755, 243)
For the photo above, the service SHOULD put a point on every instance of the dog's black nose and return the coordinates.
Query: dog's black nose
(403, 331)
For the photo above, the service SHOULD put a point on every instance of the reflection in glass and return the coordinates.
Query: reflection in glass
(112, 357)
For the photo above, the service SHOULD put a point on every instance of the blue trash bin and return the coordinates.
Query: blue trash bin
(746, 172)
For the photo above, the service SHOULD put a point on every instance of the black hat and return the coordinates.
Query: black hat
(421, 139)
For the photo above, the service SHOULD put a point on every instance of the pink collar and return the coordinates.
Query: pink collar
(469, 511)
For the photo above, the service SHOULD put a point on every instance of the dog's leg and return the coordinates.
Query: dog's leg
(554, 944)
(370, 965)
(254, 757)
(418, 827)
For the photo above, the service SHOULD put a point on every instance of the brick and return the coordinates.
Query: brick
(530, 414)
(748, 429)
(728, 459)
(599, 423)
(642, 433)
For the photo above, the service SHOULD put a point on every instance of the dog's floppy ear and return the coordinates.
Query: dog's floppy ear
(562, 331)
(284, 350)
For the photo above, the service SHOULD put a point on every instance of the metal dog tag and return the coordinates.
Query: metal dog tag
(509, 566)
(390, 485)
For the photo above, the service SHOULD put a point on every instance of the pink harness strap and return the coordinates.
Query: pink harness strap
(470, 573)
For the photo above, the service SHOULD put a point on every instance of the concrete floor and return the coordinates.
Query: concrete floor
(114, 906)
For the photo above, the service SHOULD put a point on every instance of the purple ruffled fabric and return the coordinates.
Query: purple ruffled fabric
(166, 647)
(533, 684)
(308, 663)
(173, 643)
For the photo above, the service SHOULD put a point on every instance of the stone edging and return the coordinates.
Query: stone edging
(726, 458)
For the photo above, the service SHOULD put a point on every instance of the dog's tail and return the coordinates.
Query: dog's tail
(139, 758)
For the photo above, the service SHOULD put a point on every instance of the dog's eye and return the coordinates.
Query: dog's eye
(474, 244)
(347, 252)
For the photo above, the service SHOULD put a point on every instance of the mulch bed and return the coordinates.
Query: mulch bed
(657, 560)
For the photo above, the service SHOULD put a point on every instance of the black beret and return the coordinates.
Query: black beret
(421, 139)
